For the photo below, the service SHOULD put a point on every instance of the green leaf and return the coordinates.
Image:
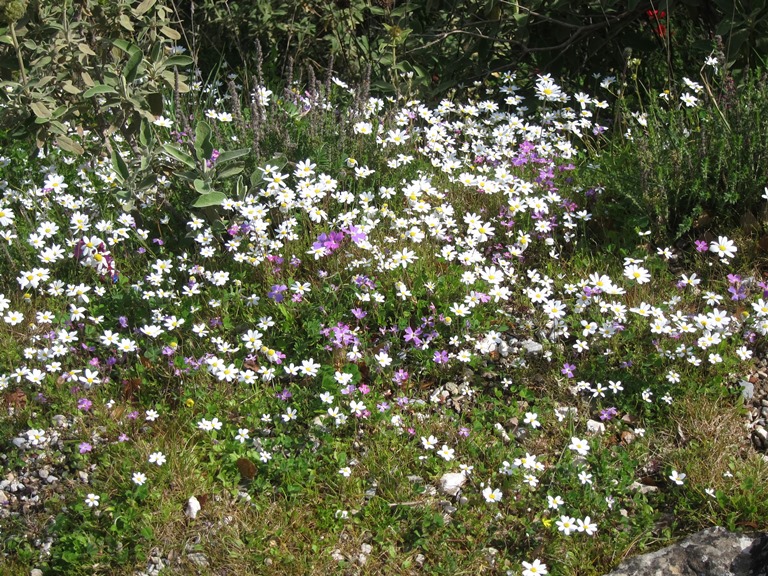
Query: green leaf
(40, 110)
(70, 88)
(155, 101)
(170, 33)
(125, 22)
(132, 66)
(203, 145)
(145, 6)
(119, 165)
(126, 46)
(146, 138)
(60, 111)
(41, 82)
(5, 39)
(232, 155)
(182, 157)
(212, 199)
(233, 170)
(57, 127)
(178, 60)
(98, 89)
(202, 186)
(85, 49)
(66, 143)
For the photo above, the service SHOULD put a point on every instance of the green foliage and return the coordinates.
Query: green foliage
(12, 10)
(204, 168)
(677, 170)
(444, 42)
(109, 62)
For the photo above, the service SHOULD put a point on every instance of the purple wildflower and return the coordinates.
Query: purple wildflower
(359, 313)
(412, 335)
(276, 293)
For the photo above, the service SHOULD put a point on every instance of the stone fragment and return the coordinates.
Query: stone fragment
(711, 552)
(532, 347)
(747, 390)
(452, 482)
(337, 555)
(643, 488)
(595, 427)
(760, 437)
(198, 559)
(193, 507)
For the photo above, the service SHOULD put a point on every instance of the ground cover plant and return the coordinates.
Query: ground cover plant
(338, 333)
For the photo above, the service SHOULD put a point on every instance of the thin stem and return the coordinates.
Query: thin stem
(18, 54)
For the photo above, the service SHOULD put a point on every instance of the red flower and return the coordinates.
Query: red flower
(656, 17)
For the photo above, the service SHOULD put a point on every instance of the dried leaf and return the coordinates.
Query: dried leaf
(130, 388)
(365, 372)
(247, 468)
(627, 437)
(251, 365)
(15, 399)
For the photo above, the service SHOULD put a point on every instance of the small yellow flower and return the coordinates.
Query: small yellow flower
(547, 522)
(189, 403)
(447, 320)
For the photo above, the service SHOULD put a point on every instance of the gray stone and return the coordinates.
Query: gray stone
(711, 552)
(337, 555)
(595, 427)
(747, 389)
(760, 437)
(532, 347)
(451, 482)
(198, 559)
(643, 488)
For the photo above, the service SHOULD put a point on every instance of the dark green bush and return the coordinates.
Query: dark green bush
(446, 42)
(689, 169)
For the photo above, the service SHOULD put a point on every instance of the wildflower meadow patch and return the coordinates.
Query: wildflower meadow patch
(401, 352)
